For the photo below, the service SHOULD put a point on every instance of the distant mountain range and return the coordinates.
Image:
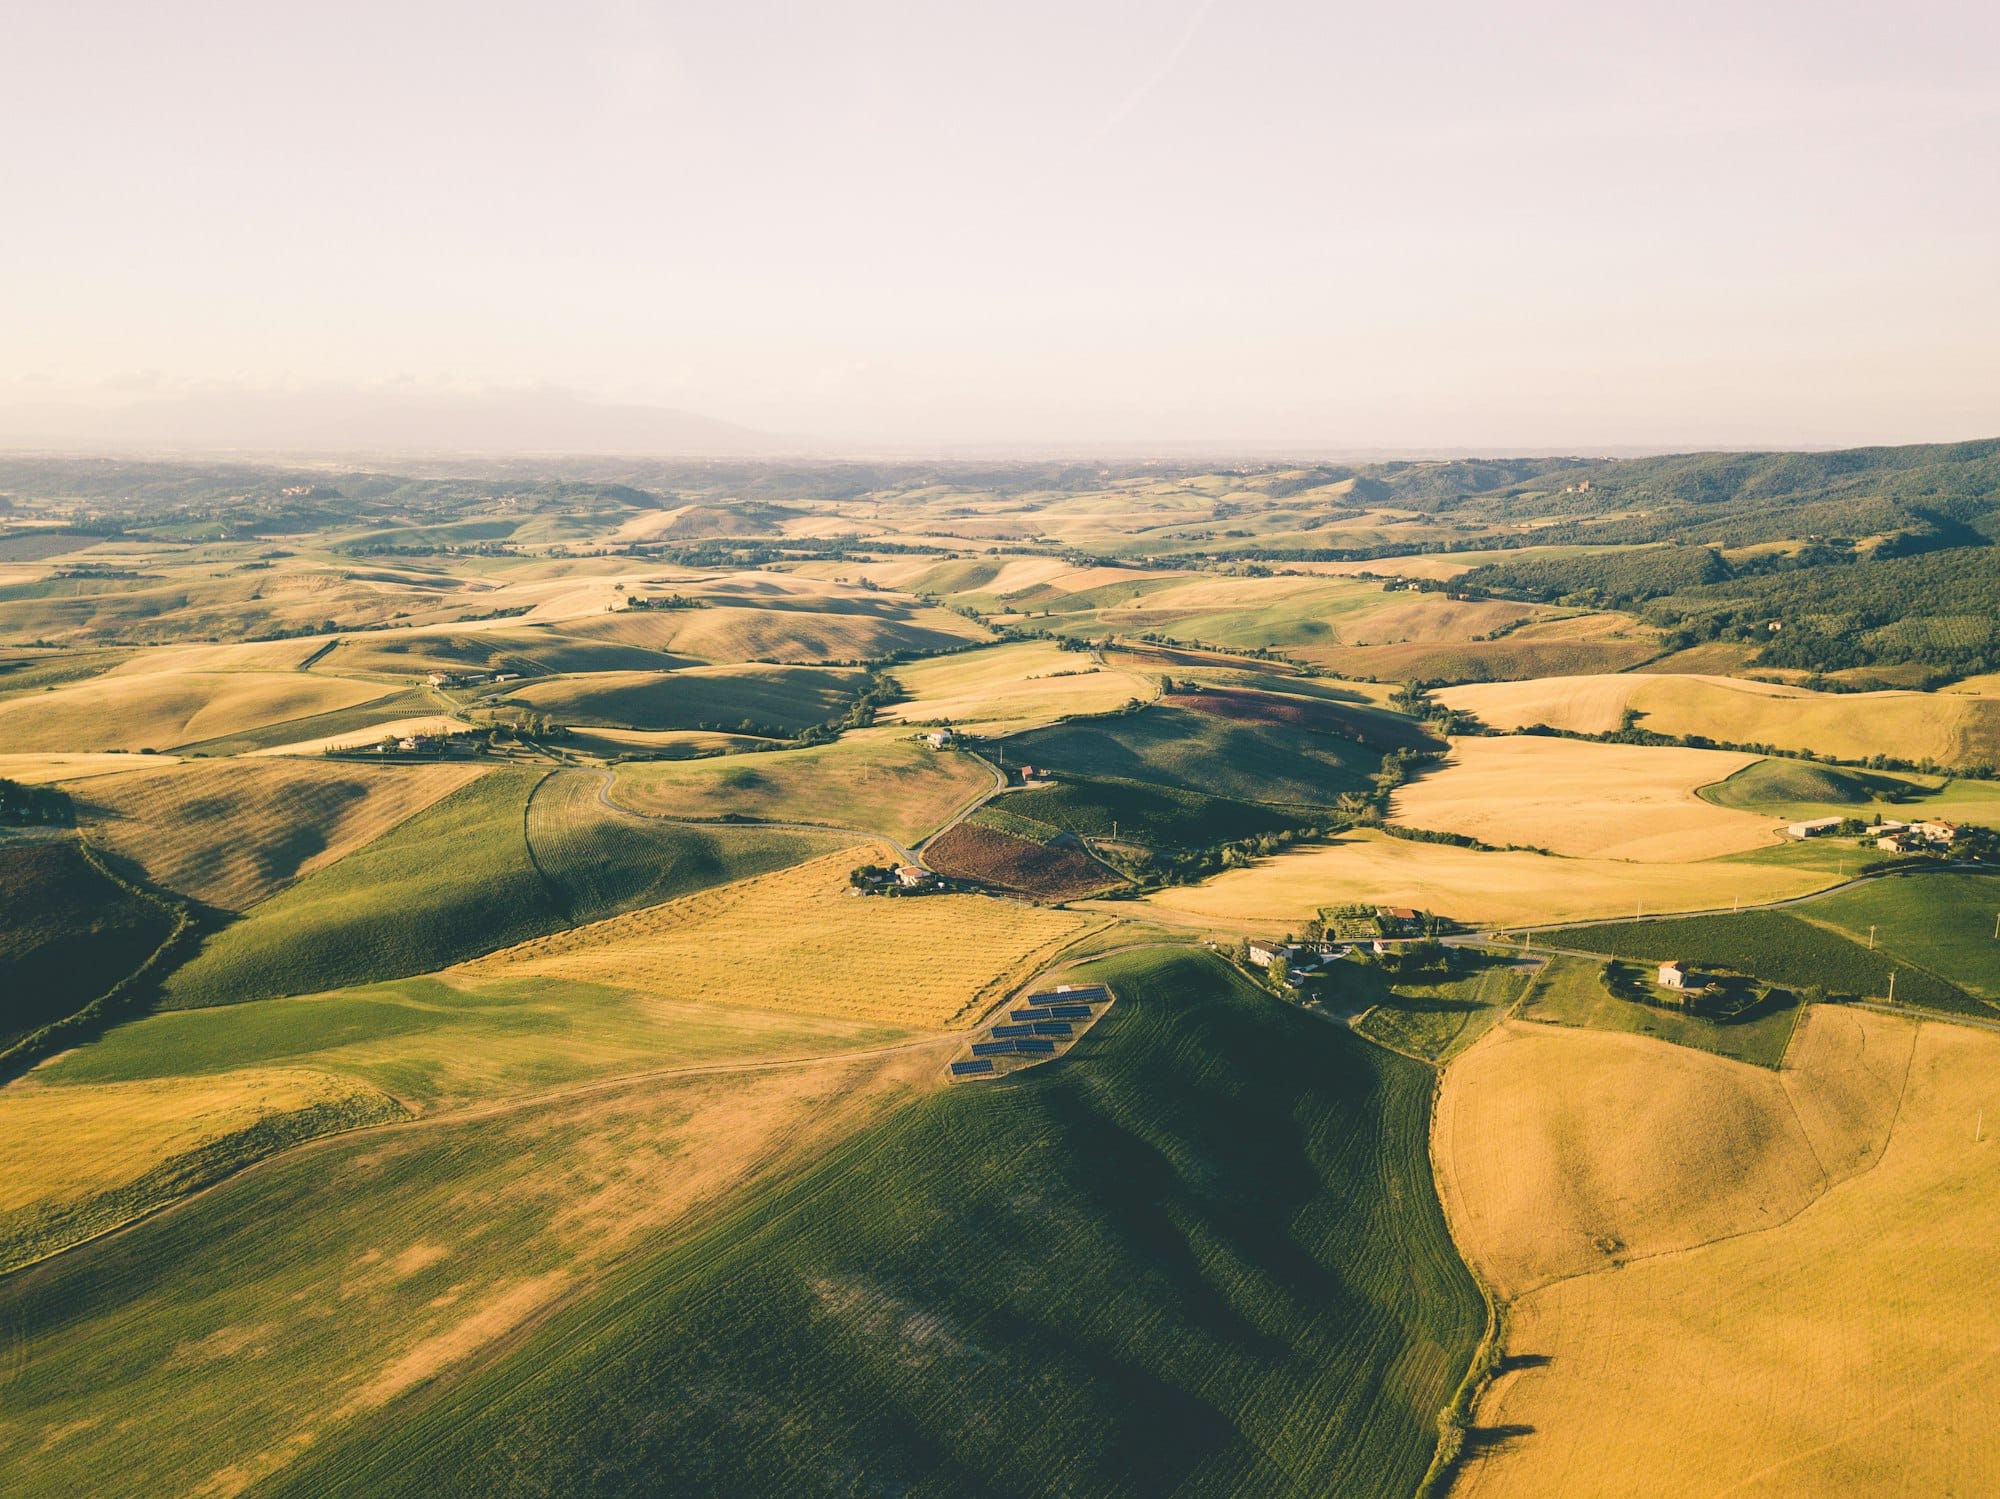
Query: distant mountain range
(349, 421)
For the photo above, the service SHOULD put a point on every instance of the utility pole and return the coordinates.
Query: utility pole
(1871, 936)
(1892, 986)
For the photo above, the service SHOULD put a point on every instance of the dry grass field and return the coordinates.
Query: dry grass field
(798, 940)
(115, 1134)
(1006, 689)
(1604, 801)
(230, 832)
(165, 709)
(1848, 1347)
(51, 769)
(1489, 889)
(1950, 728)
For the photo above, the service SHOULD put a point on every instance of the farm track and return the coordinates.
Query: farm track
(498, 1109)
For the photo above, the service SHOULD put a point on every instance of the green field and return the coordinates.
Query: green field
(1203, 753)
(1167, 1265)
(68, 934)
(599, 860)
(1570, 991)
(766, 698)
(1158, 816)
(894, 786)
(1779, 947)
(484, 867)
(1804, 788)
(1941, 922)
(1434, 1019)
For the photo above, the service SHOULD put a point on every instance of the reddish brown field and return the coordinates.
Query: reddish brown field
(984, 856)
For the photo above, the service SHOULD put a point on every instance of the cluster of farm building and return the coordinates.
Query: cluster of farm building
(1890, 837)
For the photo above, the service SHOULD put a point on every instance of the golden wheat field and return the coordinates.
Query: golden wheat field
(230, 832)
(1470, 885)
(42, 770)
(1606, 801)
(369, 734)
(1848, 1348)
(799, 940)
(1950, 728)
(1006, 689)
(166, 709)
(113, 1133)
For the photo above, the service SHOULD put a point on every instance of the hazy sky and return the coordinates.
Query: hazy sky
(1502, 224)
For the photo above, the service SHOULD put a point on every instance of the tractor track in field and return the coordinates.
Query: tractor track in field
(497, 1109)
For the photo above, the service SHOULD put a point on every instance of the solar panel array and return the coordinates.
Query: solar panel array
(1034, 1027)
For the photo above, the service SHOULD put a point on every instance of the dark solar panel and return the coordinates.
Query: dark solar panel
(1069, 1012)
(1013, 1030)
(1031, 1014)
(1041, 1048)
(991, 1048)
(1052, 1028)
(965, 1069)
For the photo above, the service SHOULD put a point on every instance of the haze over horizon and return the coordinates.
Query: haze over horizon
(1266, 226)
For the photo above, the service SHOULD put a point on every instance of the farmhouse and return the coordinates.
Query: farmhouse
(1677, 975)
(1396, 913)
(1936, 832)
(1813, 827)
(913, 876)
(1263, 954)
(938, 738)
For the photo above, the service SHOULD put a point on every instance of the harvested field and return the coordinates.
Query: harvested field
(799, 941)
(1873, 1288)
(50, 769)
(127, 1147)
(988, 856)
(169, 708)
(1493, 889)
(1602, 801)
(230, 832)
(1952, 729)
(1005, 689)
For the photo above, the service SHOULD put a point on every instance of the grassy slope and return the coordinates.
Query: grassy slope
(1200, 1256)
(896, 787)
(1095, 807)
(1941, 922)
(1570, 991)
(1433, 1018)
(788, 697)
(67, 934)
(1199, 752)
(1777, 946)
(463, 878)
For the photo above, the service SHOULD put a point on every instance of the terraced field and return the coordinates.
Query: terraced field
(1039, 1287)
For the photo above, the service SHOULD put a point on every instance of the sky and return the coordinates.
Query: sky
(923, 226)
